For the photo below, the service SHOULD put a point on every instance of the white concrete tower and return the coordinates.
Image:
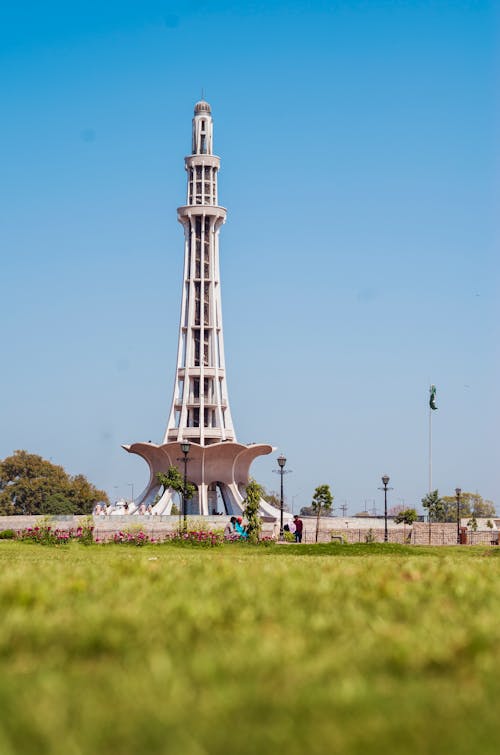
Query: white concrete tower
(200, 408)
(200, 412)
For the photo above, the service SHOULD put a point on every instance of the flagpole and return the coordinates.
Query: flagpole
(432, 407)
(430, 449)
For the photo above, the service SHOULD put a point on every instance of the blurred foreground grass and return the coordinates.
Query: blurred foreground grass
(161, 649)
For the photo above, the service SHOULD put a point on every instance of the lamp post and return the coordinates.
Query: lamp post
(385, 482)
(281, 463)
(185, 446)
(458, 492)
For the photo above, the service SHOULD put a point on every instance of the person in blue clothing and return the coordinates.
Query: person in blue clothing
(239, 529)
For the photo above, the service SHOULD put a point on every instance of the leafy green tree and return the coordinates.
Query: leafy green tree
(472, 523)
(322, 502)
(57, 503)
(470, 503)
(84, 496)
(481, 508)
(435, 507)
(29, 484)
(251, 511)
(306, 511)
(406, 517)
(310, 511)
(273, 498)
(175, 481)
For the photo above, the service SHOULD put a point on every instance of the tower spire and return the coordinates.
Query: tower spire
(200, 407)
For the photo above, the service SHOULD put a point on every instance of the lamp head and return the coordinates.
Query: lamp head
(281, 461)
(385, 479)
(457, 492)
(185, 446)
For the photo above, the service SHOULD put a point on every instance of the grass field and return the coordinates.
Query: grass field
(288, 649)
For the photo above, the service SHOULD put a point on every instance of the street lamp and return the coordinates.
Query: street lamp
(281, 463)
(185, 446)
(131, 485)
(385, 482)
(458, 492)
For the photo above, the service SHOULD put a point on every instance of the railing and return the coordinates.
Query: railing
(196, 401)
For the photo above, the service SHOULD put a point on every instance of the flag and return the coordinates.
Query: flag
(432, 397)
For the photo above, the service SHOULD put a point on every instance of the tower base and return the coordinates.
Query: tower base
(218, 468)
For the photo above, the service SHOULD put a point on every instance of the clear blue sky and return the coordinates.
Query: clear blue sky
(360, 257)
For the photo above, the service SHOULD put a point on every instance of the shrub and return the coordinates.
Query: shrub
(7, 534)
(131, 538)
(251, 511)
(204, 538)
(45, 534)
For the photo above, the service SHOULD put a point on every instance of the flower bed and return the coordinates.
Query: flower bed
(206, 538)
(45, 534)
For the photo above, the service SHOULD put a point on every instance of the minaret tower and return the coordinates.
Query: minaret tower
(200, 411)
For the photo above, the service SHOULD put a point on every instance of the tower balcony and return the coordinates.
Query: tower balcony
(186, 212)
(210, 160)
(193, 371)
(195, 432)
(211, 402)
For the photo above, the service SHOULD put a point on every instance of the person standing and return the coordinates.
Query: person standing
(299, 526)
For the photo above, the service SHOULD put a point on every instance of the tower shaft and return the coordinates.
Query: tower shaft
(200, 407)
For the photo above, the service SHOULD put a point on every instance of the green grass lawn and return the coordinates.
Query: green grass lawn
(288, 649)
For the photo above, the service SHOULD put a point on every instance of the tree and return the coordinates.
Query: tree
(310, 511)
(57, 503)
(470, 504)
(306, 511)
(435, 506)
(272, 497)
(29, 484)
(175, 481)
(322, 501)
(396, 510)
(251, 511)
(472, 523)
(406, 518)
(482, 508)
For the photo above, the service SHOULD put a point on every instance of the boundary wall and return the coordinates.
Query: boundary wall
(331, 528)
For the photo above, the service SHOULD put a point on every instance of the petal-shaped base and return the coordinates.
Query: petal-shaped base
(225, 464)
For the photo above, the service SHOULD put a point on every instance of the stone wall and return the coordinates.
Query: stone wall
(155, 526)
(417, 534)
(349, 530)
